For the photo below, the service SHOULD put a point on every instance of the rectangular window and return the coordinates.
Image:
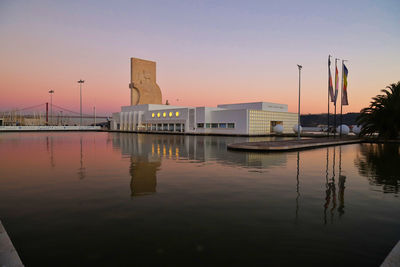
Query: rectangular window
(200, 125)
(222, 125)
(208, 125)
(231, 125)
(214, 125)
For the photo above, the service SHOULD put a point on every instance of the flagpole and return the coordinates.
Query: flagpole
(341, 101)
(334, 119)
(298, 116)
(329, 72)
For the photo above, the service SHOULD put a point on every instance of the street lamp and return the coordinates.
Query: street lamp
(80, 93)
(298, 115)
(51, 92)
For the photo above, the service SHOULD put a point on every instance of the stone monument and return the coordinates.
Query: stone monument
(144, 89)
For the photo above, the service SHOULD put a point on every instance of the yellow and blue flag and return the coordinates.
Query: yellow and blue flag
(345, 101)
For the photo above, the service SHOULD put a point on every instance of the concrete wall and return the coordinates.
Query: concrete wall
(204, 114)
(238, 117)
(267, 106)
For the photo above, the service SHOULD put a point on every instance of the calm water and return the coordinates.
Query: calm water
(79, 199)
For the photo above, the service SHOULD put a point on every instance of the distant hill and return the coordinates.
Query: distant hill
(313, 120)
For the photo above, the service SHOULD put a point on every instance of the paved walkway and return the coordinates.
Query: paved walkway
(393, 259)
(8, 255)
(289, 145)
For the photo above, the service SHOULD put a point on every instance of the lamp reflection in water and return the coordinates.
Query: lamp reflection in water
(81, 170)
(297, 186)
(49, 148)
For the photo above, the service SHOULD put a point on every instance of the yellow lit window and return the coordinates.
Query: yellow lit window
(158, 114)
(152, 115)
(170, 114)
(164, 114)
(177, 114)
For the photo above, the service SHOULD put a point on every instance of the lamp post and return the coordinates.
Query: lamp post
(94, 113)
(80, 93)
(51, 92)
(298, 115)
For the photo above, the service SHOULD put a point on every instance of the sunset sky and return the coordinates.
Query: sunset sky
(207, 52)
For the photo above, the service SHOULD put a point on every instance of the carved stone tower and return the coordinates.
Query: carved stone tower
(144, 89)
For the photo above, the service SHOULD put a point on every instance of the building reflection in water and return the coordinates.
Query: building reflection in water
(143, 171)
(331, 205)
(380, 164)
(146, 152)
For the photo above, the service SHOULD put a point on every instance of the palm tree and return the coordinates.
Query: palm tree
(383, 114)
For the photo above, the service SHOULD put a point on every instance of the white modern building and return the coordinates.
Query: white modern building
(251, 119)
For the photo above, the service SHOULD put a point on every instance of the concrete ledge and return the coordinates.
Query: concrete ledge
(218, 134)
(8, 255)
(393, 259)
(290, 145)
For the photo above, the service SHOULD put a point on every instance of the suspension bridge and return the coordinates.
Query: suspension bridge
(49, 114)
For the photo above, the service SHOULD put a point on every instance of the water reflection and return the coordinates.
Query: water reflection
(147, 151)
(330, 187)
(380, 164)
(259, 206)
(193, 149)
(143, 173)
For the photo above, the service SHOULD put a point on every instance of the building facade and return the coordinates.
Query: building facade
(252, 119)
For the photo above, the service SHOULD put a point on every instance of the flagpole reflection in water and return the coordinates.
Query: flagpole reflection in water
(330, 192)
(326, 183)
(341, 184)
